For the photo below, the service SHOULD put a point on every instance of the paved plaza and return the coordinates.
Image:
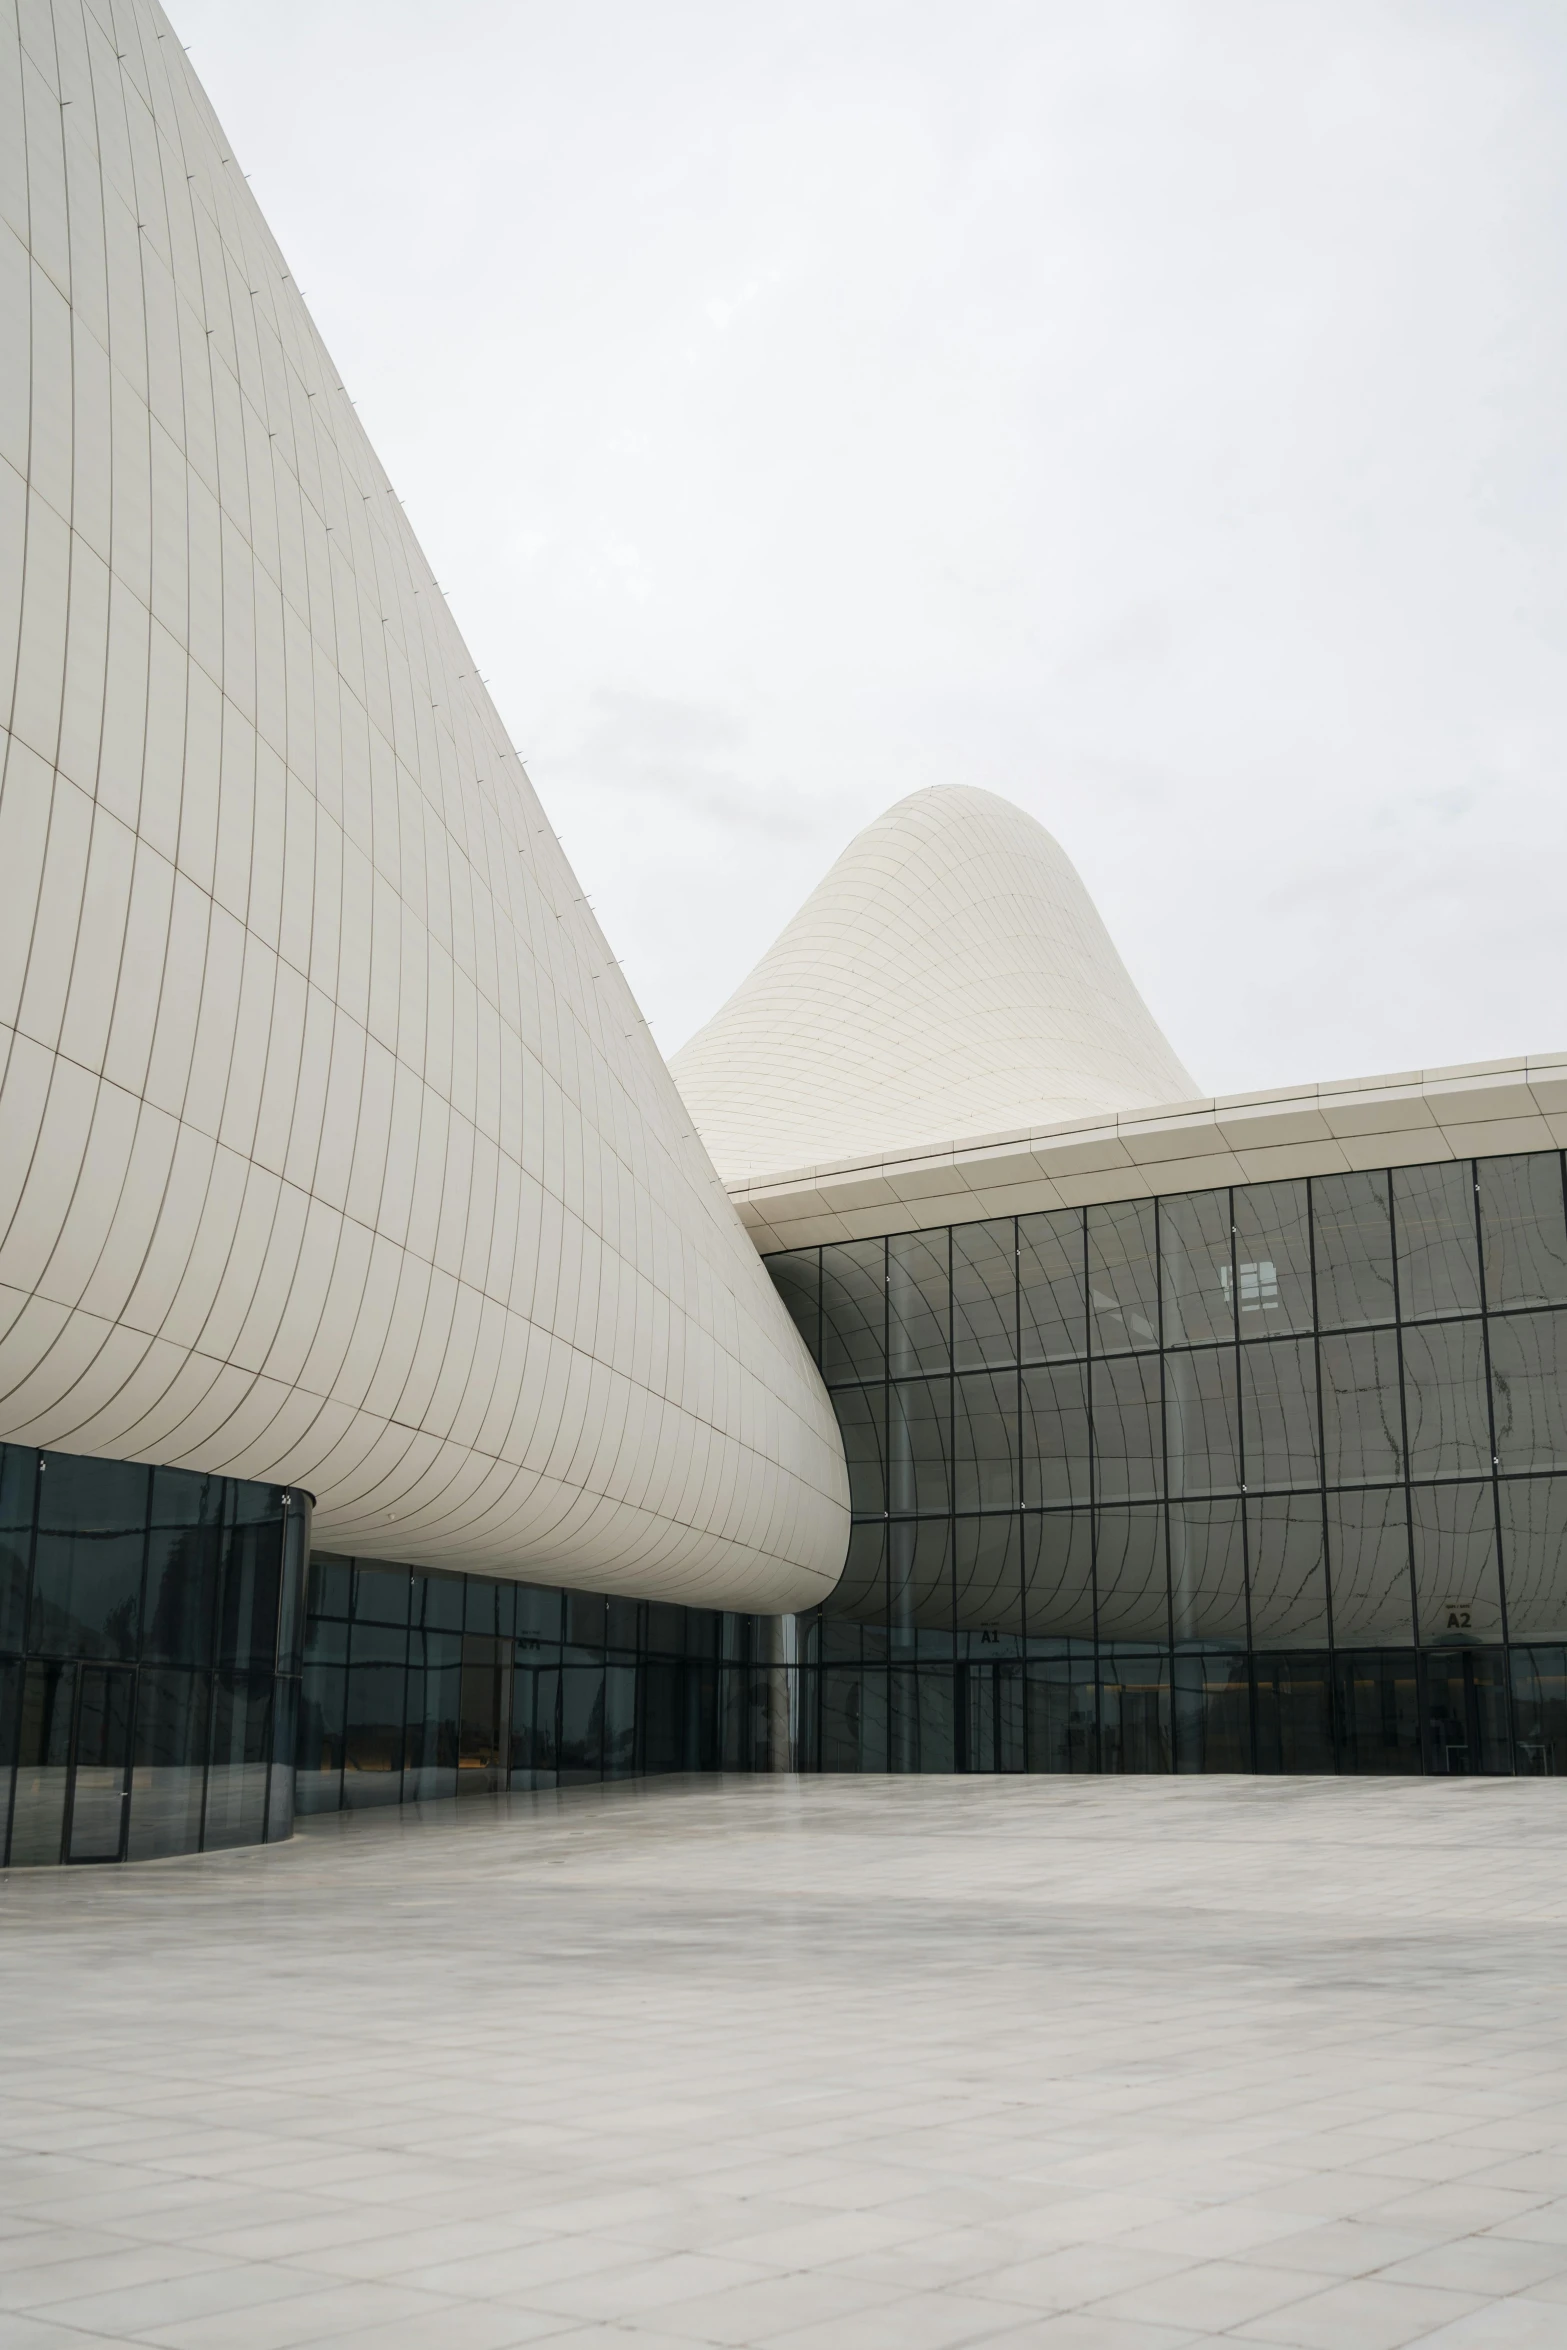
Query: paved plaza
(847, 2064)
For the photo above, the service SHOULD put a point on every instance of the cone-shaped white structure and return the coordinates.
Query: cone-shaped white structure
(333, 1149)
(948, 978)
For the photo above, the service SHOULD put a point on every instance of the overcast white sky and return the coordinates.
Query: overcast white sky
(1152, 410)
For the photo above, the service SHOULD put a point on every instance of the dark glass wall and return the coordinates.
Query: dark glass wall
(1265, 1479)
(422, 1685)
(150, 1622)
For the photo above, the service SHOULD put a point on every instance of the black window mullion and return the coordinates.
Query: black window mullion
(1496, 1497)
(1409, 1510)
(1322, 1477)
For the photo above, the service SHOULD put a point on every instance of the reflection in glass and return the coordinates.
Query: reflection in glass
(1201, 1421)
(1540, 1712)
(168, 1771)
(1058, 1576)
(1129, 1566)
(1123, 1276)
(919, 1440)
(1445, 1401)
(1286, 1559)
(1368, 1558)
(87, 1561)
(42, 1758)
(918, 1301)
(862, 1590)
(919, 1581)
(100, 1763)
(988, 1573)
(1050, 1285)
(184, 1560)
(1061, 1701)
(1457, 1589)
(1278, 1385)
(1128, 1445)
(1055, 1434)
(1194, 1247)
(1529, 1379)
(1272, 1258)
(985, 1464)
(1534, 1556)
(984, 1295)
(1354, 1250)
(18, 1479)
(1438, 1262)
(854, 1310)
(1361, 1422)
(1466, 1712)
(1207, 1572)
(862, 1424)
(237, 1773)
(1524, 1239)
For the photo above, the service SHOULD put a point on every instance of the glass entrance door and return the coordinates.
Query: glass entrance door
(101, 1755)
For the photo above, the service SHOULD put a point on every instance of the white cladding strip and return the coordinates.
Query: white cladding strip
(333, 1148)
(1483, 1110)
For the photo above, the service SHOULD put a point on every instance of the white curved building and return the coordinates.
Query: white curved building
(948, 977)
(333, 1149)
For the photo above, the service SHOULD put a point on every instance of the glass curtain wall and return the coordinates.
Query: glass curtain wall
(423, 1685)
(150, 1622)
(1263, 1479)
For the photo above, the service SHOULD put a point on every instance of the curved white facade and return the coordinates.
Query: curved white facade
(333, 1149)
(948, 978)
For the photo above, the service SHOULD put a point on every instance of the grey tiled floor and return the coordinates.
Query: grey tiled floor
(821, 2064)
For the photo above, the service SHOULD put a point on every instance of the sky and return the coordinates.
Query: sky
(1154, 411)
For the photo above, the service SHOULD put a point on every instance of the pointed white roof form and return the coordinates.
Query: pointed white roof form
(948, 978)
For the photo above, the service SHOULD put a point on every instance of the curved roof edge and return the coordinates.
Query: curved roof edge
(1477, 1109)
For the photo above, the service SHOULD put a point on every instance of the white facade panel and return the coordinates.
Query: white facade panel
(949, 976)
(333, 1149)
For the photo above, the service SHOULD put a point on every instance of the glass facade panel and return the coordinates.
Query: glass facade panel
(984, 1295)
(169, 1768)
(1052, 1313)
(1292, 1712)
(1533, 1513)
(1056, 1449)
(142, 1582)
(862, 1422)
(1128, 1439)
(1377, 1711)
(1445, 1402)
(1529, 1382)
(1135, 1726)
(1523, 1235)
(988, 1574)
(1458, 1591)
(1362, 1420)
(87, 1557)
(1194, 1251)
(1368, 1558)
(1208, 1572)
(18, 1489)
(1212, 1711)
(985, 1449)
(919, 1303)
(1123, 1277)
(1058, 1576)
(1129, 1566)
(1438, 1253)
(1278, 1387)
(854, 1310)
(1287, 1571)
(919, 1428)
(1354, 1250)
(1272, 1258)
(1201, 1422)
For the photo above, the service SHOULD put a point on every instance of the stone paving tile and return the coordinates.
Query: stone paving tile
(820, 2065)
(1366, 2314)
